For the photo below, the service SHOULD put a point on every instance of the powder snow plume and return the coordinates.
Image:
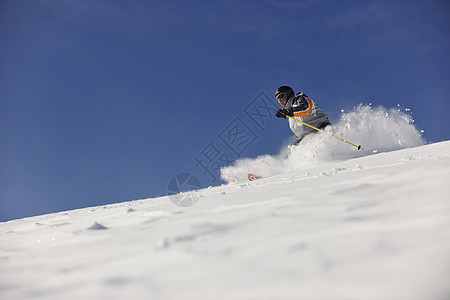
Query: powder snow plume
(375, 129)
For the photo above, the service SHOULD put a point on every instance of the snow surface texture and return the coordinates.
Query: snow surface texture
(373, 227)
(376, 129)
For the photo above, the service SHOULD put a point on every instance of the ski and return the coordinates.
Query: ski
(253, 177)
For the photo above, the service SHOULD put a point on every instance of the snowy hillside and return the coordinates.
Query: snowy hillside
(374, 227)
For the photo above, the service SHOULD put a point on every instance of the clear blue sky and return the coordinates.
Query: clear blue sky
(105, 101)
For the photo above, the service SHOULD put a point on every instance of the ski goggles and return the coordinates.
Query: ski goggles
(280, 96)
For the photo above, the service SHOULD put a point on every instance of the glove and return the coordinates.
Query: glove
(283, 112)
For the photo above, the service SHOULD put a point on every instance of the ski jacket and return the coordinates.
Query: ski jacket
(308, 111)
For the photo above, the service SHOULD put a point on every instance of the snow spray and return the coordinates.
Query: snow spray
(378, 129)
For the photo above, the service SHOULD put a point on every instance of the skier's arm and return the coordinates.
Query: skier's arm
(302, 106)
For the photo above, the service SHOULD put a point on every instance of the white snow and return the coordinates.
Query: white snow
(370, 227)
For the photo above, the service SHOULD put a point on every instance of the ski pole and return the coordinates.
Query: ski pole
(359, 146)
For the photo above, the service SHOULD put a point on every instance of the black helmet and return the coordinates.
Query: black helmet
(284, 91)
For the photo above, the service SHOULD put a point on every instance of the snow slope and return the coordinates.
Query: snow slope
(374, 227)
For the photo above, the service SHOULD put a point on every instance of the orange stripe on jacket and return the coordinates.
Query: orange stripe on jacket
(305, 113)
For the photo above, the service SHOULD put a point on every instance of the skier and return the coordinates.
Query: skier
(302, 108)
